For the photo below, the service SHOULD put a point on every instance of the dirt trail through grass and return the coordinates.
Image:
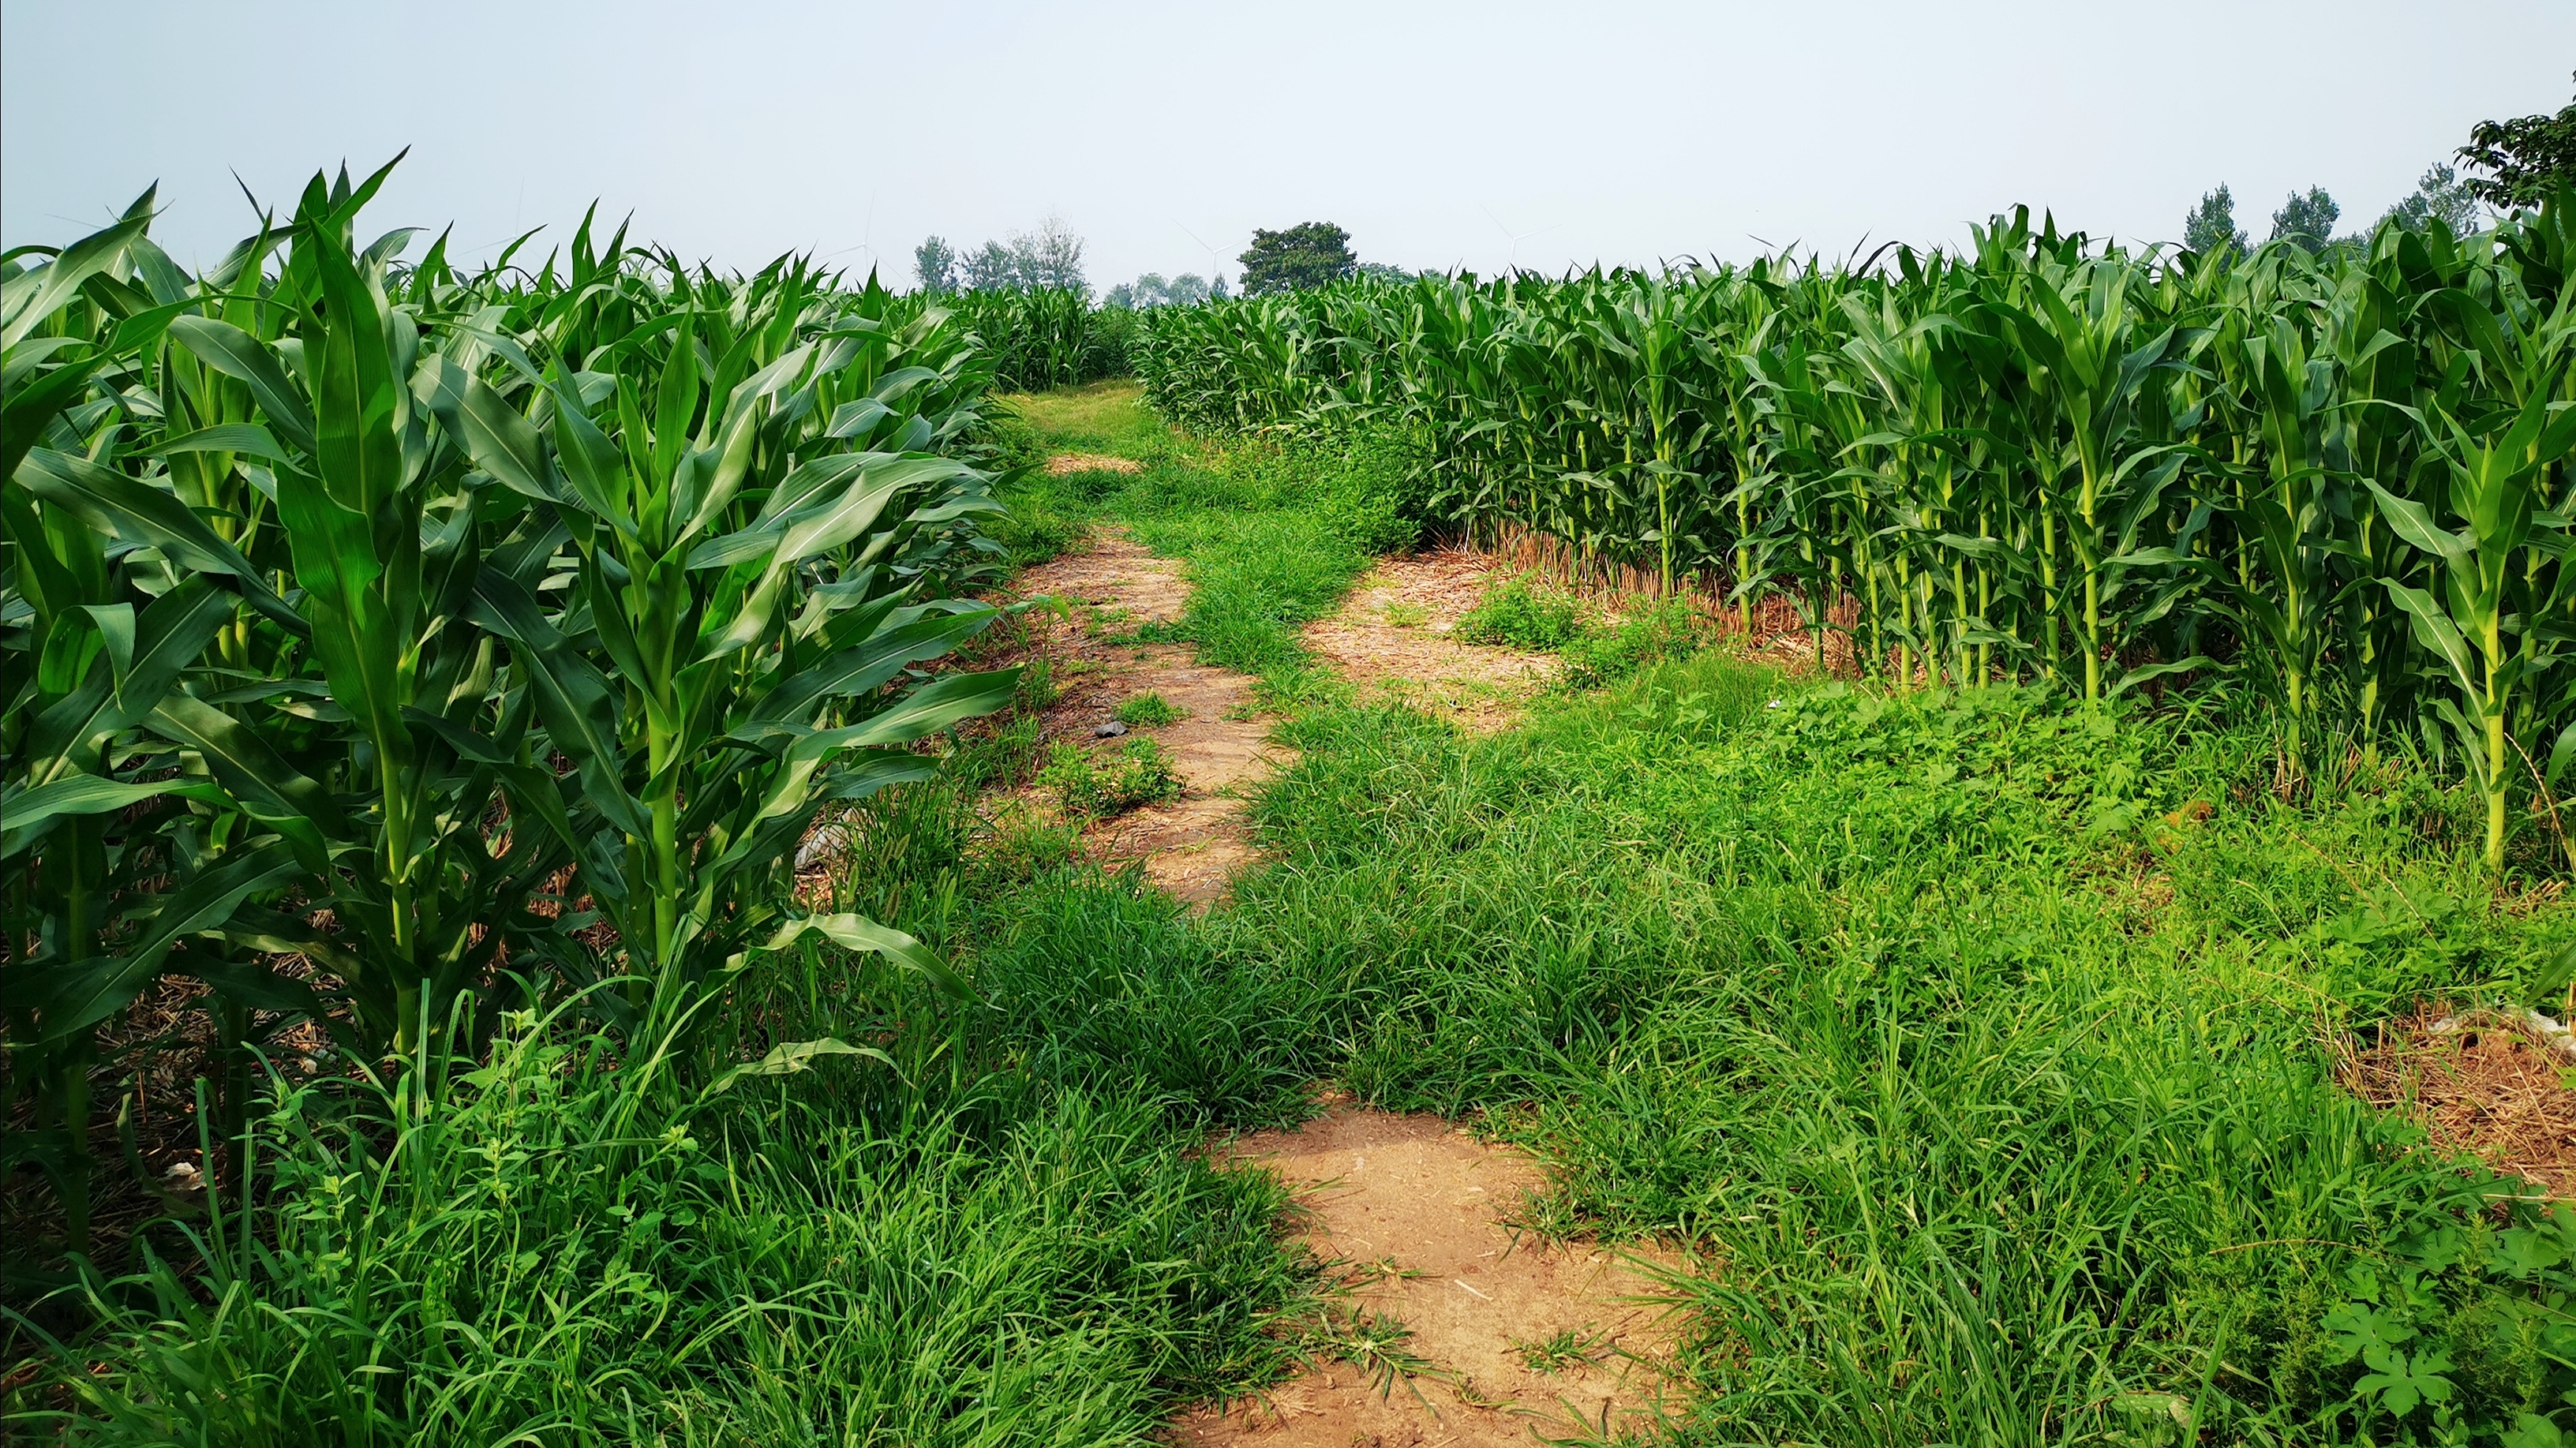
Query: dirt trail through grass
(1458, 1329)
(1445, 1323)
(1191, 845)
(1394, 640)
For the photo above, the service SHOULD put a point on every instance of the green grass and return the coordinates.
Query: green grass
(1997, 1107)
(2004, 1110)
(1271, 538)
(1518, 613)
(1089, 785)
(1885, 1006)
(1148, 710)
(1098, 417)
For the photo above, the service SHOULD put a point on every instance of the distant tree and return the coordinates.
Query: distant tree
(2308, 220)
(1385, 273)
(1151, 290)
(1050, 256)
(995, 268)
(2439, 193)
(1308, 255)
(934, 266)
(2523, 158)
(2211, 226)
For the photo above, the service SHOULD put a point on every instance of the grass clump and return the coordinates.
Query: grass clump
(1516, 615)
(1653, 631)
(1561, 1351)
(1149, 710)
(587, 1241)
(1092, 786)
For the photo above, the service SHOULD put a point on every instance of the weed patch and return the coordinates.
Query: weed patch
(1517, 615)
(1148, 710)
(1091, 786)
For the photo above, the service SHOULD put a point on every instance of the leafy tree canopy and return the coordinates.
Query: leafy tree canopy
(1151, 290)
(2211, 226)
(2442, 194)
(1306, 255)
(2523, 157)
(934, 266)
(1048, 257)
(2308, 220)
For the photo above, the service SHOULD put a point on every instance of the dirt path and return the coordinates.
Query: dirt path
(1507, 1335)
(1494, 1334)
(1193, 845)
(1392, 639)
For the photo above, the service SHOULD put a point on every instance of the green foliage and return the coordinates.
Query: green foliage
(2439, 195)
(935, 266)
(2306, 220)
(2004, 1103)
(2037, 458)
(1148, 710)
(1372, 488)
(1305, 255)
(2525, 159)
(1263, 561)
(1151, 290)
(1090, 785)
(1045, 337)
(1517, 615)
(579, 1245)
(2211, 226)
(456, 634)
(1651, 632)
(1565, 1349)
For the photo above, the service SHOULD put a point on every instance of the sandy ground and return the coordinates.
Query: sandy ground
(1191, 846)
(1411, 1212)
(1064, 463)
(1392, 640)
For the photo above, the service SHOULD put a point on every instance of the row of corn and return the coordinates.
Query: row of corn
(1047, 337)
(2339, 482)
(386, 645)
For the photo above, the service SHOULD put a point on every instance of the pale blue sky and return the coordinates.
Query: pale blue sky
(1623, 132)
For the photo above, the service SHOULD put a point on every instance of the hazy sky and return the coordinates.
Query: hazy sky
(1613, 132)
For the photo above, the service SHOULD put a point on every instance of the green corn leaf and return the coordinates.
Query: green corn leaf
(28, 299)
(142, 515)
(794, 1057)
(857, 932)
(235, 353)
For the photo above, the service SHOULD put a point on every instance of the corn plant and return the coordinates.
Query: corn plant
(387, 641)
(2034, 457)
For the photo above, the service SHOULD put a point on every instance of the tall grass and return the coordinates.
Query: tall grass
(1999, 1109)
(578, 1244)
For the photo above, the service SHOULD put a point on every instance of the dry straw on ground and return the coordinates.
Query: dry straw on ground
(2481, 1082)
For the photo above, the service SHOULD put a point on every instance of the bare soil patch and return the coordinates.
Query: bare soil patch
(2481, 1082)
(1065, 463)
(1393, 639)
(1191, 846)
(1511, 1334)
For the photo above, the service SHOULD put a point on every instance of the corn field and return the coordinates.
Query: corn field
(386, 646)
(2339, 482)
(1051, 337)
